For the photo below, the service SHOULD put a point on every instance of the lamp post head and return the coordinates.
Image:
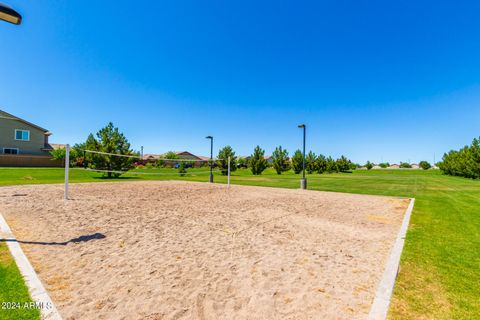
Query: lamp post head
(208, 137)
(9, 15)
(301, 126)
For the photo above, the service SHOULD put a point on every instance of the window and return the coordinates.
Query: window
(10, 150)
(23, 135)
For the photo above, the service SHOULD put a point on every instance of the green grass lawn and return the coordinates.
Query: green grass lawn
(440, 269)
(13, 289)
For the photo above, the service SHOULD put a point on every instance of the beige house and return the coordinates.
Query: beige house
(184, 155)
(20, 137)
(394, 166)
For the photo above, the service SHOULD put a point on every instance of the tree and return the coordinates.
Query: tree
(369, 165)
(242, 162)
(181, 169)
(60, 153)
(280, 160)
(321, 163)
(425, 165)
(384, 165)
(167, 159)
(354, 166)
(222, 160)
(405, 165)
(257, 161)
(331, 165)
(311, 164)
(343, 164)
(297, 162)
(110, 140)
(464, 162)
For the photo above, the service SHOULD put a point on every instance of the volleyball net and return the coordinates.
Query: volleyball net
(134, 164)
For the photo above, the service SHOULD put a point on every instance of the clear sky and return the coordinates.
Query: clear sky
(373, 80)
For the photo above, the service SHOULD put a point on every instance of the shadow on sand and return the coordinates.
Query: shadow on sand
(95, 236)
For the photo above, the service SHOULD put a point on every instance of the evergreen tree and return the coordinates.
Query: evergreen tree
(369, 165)
(280, 160)
(321, 164)
(331, 165)
(311, 164)
(110, 140)
(297, 162)
(257, 161)
(343, 164)
(222, 161)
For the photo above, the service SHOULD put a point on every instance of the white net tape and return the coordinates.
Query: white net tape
(149, 173)
(140, 157)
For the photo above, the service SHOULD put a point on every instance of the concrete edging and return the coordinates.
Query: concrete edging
(35, 287)
(383, 295)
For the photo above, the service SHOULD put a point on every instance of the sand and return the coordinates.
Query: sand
(184, 250)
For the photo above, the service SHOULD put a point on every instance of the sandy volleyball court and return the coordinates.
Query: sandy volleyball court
(182, 250)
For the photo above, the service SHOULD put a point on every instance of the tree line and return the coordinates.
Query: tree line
(281, 162)
(464, 162)
(110, 140)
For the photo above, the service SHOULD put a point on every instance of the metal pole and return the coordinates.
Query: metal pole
(67, 166)
(211, 158)
(228, 179)
(304, 131)
(141, 152)
(303, 181)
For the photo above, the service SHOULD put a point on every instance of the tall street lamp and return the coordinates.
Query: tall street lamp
(9, 15)
(303, 181)
(211, 157)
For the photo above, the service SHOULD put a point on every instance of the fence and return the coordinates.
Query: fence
(29, 161)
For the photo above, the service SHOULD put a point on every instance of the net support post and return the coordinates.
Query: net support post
(228, 177)
(67, 167)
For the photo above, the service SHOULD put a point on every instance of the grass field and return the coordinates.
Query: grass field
(440, 268)
(13, 289)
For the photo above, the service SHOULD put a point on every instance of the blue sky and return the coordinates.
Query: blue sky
(373, 80)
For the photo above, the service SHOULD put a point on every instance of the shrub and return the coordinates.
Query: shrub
(257, 161)
(181, 169)
(297, 162)
(384, 165)
(222, 161)
(425, 165)
(280, 160)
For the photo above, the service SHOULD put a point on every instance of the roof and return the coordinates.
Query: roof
(56, 146)
(6, 115)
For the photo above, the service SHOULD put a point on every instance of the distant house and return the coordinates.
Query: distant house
(24, 144)
(376, 167)
(20, 137)
(415, 166)
(185, 155)
(394, 166)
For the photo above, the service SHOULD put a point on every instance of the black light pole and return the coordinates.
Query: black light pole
(303, 181)
(211, 157)
(9, 15)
